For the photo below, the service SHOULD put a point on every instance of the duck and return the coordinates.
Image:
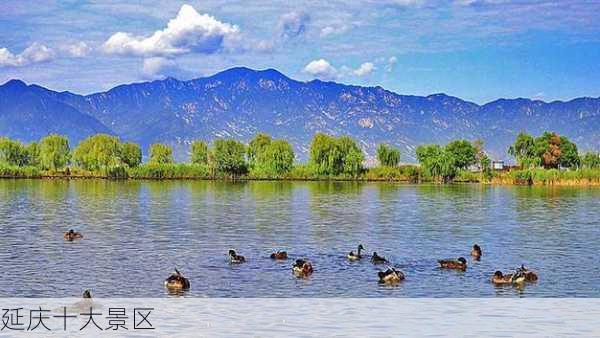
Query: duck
(279, 255)
(458, 264)
(87, 294)
(505, 279)
(529, 275)
(376, 259)
(176, 281)
(302, 268)
(234, 258)
(71, 235)
(476, 252)
(390, 276)
(356, 256)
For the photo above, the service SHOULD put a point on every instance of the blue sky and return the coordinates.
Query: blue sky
(478, 50)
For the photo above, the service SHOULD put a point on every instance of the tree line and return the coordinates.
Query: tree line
(264, 156)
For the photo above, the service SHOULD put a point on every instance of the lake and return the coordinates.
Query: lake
(136, 232)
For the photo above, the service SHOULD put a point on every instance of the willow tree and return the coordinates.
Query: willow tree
(54, 152)
(160, 154)
(388, 156)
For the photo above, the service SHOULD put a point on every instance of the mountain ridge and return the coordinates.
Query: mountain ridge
(238, 102)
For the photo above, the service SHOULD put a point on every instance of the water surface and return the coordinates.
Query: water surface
(136, 232)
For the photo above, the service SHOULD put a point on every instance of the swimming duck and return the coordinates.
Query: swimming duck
(390, 276)
(87, 294)
(234, 258)
(529, 276)
(476, 252)
(504, 279)
(376, 259)
(71, 235)
(458, 264)
(302, 268)
(279, 255)
(356, 256)
(176, 281)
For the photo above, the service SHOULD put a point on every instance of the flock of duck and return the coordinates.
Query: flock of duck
(302, 268)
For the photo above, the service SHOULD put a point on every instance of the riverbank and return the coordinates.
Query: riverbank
(403, 174)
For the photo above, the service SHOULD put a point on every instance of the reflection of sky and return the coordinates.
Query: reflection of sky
(137, 232)
(478, 50)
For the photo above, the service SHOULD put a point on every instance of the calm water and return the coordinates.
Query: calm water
(137, 232)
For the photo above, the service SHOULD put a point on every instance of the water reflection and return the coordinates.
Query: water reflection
(141, 230)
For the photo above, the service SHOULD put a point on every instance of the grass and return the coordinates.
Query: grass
(404, 173)
(19, 172)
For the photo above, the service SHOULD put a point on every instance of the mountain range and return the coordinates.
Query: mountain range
(239, 102)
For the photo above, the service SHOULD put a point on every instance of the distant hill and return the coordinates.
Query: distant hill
(240, 102)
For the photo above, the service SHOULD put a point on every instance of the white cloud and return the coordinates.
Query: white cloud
(391, 63)
(293, 25)
(188, 32)
(35, 53)
(77, 50)
(321, 69)
(333, 30)
(364, 69)
(159, 67)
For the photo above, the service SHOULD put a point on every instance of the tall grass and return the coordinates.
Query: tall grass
(19, 172)
(170, 171)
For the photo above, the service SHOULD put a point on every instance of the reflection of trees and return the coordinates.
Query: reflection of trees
(272, 205)
(336, 210)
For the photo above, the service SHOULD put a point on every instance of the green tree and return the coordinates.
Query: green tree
(276, 159)
(54, 152)
(131, 154)
(12, 152)
(436, 161)
(334, 156)
(228, 156)
(463, 153)
(160, 154)
(33, 154)
(524, 150)
(323, 153)
(256, 146)
(569, 157)
(199, 152)
(98, 152)
(590, 160)
(388, 156)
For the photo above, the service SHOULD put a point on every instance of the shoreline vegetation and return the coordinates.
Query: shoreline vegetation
(546, 160)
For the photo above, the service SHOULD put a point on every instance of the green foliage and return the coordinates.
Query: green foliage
(16, 171)
(524, 150)
(569, 157)
(228, 156)
(131, 154)
(12, 153)
(335, 156)
(590, 160)
(388, 156)
(396, 173)
(54, 152)
(275, 160)
(256, 146)
(463, 153)
(436, 162)
(98, 152)
(160, 154)
(549, 150)
(199, 152)
(33, 154)
(169, 171)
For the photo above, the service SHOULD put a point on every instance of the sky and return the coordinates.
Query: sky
(478, 50)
